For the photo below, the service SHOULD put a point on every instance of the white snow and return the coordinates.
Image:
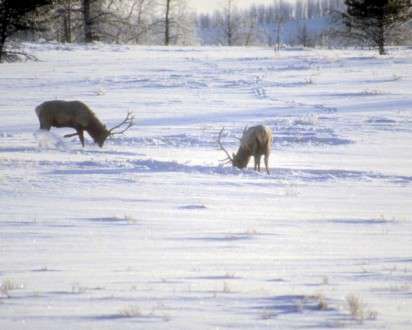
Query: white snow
(152, 232)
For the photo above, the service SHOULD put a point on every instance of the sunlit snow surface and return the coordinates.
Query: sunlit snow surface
(153, 232)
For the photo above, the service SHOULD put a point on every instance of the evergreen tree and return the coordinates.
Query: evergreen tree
(17, 15)
(371, 21)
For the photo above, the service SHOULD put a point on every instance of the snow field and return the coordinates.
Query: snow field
(151, 231)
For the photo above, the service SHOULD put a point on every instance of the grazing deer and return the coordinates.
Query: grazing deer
(77, 115)
(255, 141)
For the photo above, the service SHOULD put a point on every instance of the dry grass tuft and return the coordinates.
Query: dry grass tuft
(135, 311)
(226, 288)
(322, 304)
(131, 311)
(268, 315)
(130, 220)
(251, 232)
(320, 299)
(8, 285)
(77, 288)
(357, 309)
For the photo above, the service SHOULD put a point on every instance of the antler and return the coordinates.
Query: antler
(128, 121)
(221, 146)
(243, 133)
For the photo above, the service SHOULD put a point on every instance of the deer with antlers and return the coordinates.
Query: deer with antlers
(255, 141)
(77, 115)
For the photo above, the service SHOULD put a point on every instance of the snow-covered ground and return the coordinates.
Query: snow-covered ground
(152, 232)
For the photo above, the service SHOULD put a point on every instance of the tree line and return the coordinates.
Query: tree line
(304, 22)
(172, 22)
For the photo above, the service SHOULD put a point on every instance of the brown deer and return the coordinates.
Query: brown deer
(77, 115)
(255, 141)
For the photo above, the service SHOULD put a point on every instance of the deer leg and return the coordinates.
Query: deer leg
(81, 136)
(267, 163)
(257, 163)
(257, 155)
(70, 135)
(44, 125)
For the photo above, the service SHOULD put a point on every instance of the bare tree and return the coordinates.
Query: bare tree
(103, 19)
(167, 22)
(251, 26)
(132, 21)
(87, 21)
(280, 19)
(93, 14)
(303, 36)
(140, 17)
(229, 24)
(177, 22)
(67, 12)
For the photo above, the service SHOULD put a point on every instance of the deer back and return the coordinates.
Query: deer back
(74, 114)
(257, 140)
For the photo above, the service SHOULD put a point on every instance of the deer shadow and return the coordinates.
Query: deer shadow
(277, 173)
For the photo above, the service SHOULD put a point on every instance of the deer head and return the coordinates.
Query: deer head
(100, 133)
(239, 159)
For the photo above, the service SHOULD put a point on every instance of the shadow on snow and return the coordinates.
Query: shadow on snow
(299, 174)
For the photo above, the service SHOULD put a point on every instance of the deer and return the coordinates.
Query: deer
(255, 141)
(77, 115)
